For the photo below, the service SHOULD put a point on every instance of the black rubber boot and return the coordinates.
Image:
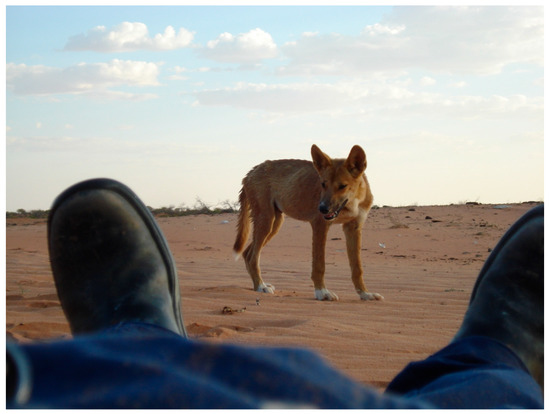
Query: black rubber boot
(110, 262)
(507, 302)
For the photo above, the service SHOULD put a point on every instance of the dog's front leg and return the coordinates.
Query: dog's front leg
(320, 232)
(352, 230)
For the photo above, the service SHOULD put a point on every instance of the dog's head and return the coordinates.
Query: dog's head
(340, 179)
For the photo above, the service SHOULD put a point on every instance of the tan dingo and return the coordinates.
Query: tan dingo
(323, 192)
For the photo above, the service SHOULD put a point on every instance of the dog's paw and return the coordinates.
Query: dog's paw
(370, 296)
(325, 294)
(266, 288)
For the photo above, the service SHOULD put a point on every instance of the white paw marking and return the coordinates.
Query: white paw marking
(325, 294)
(370, 296)
(266, 288)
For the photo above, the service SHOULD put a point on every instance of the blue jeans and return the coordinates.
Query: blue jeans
(144, 366)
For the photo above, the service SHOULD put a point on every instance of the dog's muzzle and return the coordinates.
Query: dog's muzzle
(327, 214)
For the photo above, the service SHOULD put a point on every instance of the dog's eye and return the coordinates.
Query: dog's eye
(324, 185)
(342, 186)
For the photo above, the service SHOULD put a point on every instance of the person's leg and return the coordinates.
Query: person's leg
(474, 372)
(497, 357)
(111, 266)
(136, 366)
(118, 287)
(110, 262)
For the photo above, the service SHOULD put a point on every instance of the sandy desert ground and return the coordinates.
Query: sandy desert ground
(423, 259)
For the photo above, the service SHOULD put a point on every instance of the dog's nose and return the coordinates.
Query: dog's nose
(323, 208)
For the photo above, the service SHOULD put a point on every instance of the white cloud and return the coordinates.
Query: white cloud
(286, 98)
(85, 78)
(180, 69)
(104, 146)
(183, 69)
(178, 78)
(251, 47)
(458, 85)
(427, 81)
(127, 37)
(181, 72)
(473, 40)
(376, 97)
(379, 29)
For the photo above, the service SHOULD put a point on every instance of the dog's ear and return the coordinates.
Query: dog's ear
(356, 162)
(320, 159)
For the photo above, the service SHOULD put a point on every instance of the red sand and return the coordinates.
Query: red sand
(424, 267)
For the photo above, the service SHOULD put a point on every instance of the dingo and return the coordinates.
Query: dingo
(322, 192)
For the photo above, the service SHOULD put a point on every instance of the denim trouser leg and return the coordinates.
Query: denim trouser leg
(143, 366)
(474, 372)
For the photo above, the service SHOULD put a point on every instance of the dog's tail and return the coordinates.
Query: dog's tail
(243, 225)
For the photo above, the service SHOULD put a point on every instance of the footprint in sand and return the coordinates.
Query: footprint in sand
(220, 331)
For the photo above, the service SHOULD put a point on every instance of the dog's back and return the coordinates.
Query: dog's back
(291, 186)
(286, 186)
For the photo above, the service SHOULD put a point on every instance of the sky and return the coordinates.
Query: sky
(180, 102)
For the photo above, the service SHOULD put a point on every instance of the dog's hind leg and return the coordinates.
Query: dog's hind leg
(277, 223)
(352, 230)
(266, 225)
